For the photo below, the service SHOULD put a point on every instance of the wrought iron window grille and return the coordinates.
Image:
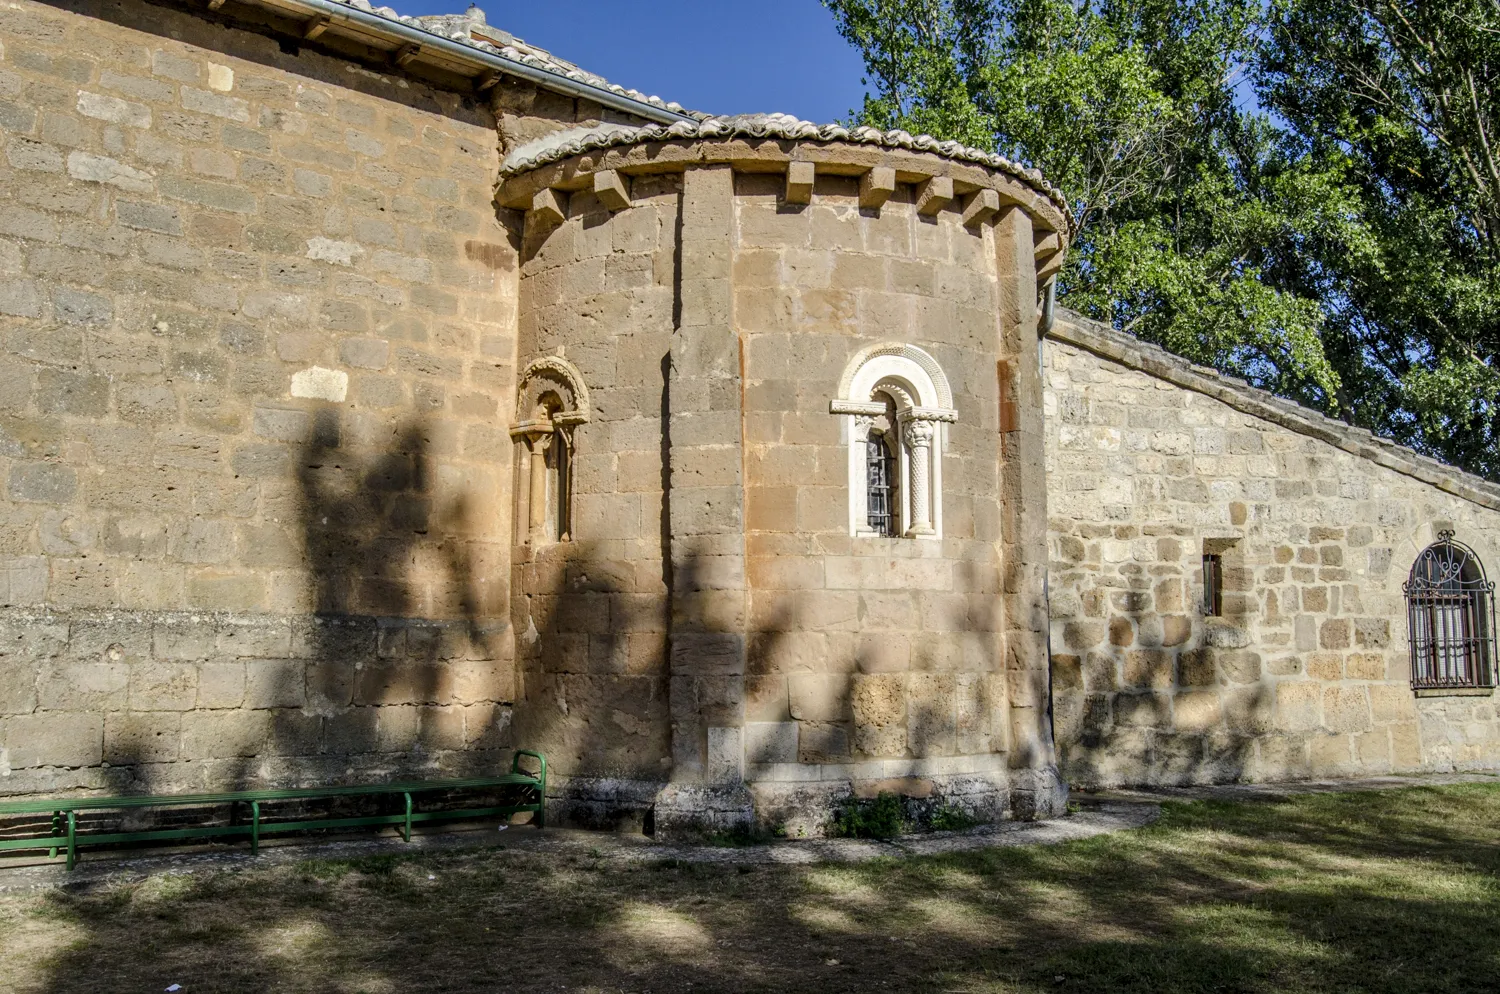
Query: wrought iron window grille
(1450, 608)
(880, 464)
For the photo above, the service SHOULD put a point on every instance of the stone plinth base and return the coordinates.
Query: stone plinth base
(797, 808)
(685, 810)
(611, 804)
(1038, 794)
(807, 809)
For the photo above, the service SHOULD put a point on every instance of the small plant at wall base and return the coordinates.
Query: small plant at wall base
(948, 818)
(881, 817)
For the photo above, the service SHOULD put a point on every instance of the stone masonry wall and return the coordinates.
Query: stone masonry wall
(591, 613)
(257, 343)
(1152, 462)
(870, 658)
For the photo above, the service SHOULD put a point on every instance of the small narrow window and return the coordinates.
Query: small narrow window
(880, 467)
(895, 482)
(553, 403)
(1213, 584)
(1451, 620)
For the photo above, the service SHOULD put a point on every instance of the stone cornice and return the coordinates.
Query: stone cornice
(744, 136)
(1107, 343)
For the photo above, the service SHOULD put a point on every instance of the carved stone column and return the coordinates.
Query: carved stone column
(919, 443)
(859, 427)
(537, 435)
(539, 443)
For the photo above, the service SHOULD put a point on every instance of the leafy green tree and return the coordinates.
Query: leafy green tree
(1400, 96)
(1300, 192)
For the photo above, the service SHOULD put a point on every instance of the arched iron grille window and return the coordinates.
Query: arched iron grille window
(880, 468)
(1451, 618)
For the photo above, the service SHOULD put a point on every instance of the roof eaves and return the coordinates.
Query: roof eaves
(454, 35)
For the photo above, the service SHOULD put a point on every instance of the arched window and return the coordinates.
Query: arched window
(553, 402)
(898, 405)
(1451, 618)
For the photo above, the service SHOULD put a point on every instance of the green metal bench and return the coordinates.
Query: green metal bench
(65, 834)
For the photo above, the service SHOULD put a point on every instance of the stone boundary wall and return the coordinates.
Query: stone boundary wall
(1107, 343)
(1152, 463)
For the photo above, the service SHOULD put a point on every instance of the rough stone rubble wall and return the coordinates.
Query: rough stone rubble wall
(1307, 671)
(258, 336)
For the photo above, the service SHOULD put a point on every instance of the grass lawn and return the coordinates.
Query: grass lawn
(1376, 891)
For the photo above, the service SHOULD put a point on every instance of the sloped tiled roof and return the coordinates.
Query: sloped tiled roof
(471, 28)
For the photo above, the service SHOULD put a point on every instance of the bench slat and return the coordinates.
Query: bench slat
(289, 794)
(266, 828)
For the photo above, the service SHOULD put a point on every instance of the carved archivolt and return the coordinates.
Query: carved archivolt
(559, 377)
(930, 386)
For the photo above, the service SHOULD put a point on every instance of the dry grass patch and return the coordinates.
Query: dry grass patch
(1393, 891)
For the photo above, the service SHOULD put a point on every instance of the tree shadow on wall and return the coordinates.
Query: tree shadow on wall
(400, 669)
(1143, 708)
(404, 649)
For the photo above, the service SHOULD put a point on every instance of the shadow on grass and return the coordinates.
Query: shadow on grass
(1382, 892)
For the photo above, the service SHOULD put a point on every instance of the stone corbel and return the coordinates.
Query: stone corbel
(547, 208)
(934, 195)
(876, 187)
(799, 182)
(980, 207)
(609, 187)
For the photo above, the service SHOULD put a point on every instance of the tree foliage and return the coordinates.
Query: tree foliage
(1304, 193)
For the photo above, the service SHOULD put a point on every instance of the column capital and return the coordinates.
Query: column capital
(919, 433)
(537, 434)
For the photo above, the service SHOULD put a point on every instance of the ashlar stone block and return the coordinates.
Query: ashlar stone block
(771, 742)
(54, 738)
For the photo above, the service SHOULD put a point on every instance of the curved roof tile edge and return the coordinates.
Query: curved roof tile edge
(1072, 328)
(455, 28)
(565, 144)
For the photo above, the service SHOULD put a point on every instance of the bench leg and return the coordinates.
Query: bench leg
(72, 839)
(254, 828)
(56, 831)
(407, 831)
(541, 808)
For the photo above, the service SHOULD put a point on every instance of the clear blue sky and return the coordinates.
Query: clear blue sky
(720, 56)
